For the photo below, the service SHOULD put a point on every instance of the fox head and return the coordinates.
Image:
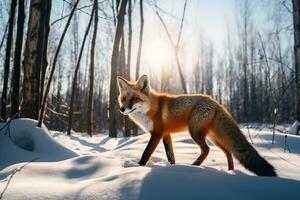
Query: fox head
(134, 96)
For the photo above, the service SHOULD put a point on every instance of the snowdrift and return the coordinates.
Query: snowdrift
(106, 168)
(22, 141)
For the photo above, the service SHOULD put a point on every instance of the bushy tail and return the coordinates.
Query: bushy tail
(236, 142)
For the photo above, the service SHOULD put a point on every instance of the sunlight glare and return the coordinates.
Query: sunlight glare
(157, 54)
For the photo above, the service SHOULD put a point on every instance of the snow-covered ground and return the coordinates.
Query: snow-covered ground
(56, 166)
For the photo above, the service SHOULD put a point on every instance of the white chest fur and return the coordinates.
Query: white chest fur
(142, 121)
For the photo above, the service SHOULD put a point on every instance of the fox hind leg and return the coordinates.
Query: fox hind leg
(227, 153)
(200, 140)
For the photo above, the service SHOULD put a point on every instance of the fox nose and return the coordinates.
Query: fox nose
(122, 109)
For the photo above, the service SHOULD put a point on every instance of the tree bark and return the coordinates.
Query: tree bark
(45, 52)
(74, 84)
(7, 58)
(15, 102)
(91, 90)
(296, 19)
(129, 39)
(138, 61)
(245, 16)
(46, 93)
(34, 56)
(128, 123)
(114, 67)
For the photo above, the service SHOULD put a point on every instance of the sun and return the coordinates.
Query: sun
(157, 54)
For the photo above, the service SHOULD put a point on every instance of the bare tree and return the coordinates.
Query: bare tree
(114, 68)
(296, 19)
(46, 93)
(129, 38)
(128, 123)
(44, 57)
(91, 89)
(34, 54)
(7, 58)
(74, 83)
(17, 60)
(175, 46)
(138, 60)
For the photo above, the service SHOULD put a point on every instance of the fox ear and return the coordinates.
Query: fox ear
(122, 83)
(143, 84)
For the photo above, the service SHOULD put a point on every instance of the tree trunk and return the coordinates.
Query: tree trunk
(7, 58)
(46, 93)
(129, 39)
(74, 84)
(17, 61)
(114, 67)
(91, 90)
(34, 56)
(128, 123)
(296, 19)
(138, 61)
(175, 48)
(45, 52)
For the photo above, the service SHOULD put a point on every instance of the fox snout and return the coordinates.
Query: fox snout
(123, 108)
(127, 109)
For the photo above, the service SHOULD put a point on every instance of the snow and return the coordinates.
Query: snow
(80, 167)
(29, 142)
(294, 128)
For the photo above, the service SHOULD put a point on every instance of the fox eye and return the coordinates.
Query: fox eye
(123, 99)
(136, 99)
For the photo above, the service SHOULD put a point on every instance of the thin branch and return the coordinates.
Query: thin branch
(285, 28)
(280, 62)
(267, 61)
(74, 5)
(287, 8)
(181, 25)
(56, 113)
(79, 9)
(45, 97)
(65, 16)
(74, 83)
(175, 48)
(7, 125)
(4, 34)
(276, 104)
(13, 173)
(100, 2)
(113, 11)
(163, 11)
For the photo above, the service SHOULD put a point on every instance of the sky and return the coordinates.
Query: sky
(208, 19)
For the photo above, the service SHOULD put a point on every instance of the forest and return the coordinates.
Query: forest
(91, 91)
(59, 59)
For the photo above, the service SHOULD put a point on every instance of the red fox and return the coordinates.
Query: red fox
(162, 114)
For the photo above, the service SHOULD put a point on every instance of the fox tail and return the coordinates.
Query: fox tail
(237, 143)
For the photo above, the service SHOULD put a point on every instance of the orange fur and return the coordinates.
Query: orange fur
(201, 115)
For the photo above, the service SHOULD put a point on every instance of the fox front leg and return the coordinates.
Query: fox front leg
(167, 140)
(153, 142)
